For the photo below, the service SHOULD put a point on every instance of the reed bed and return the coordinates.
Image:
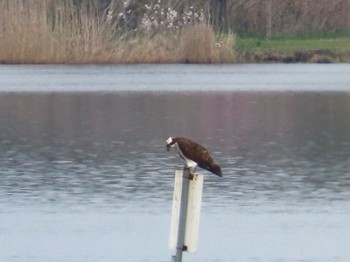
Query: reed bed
(57, 32)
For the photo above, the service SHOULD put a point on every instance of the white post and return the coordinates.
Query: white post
(183, 214)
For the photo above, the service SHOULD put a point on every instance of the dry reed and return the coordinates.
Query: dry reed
(53, 31)
(199, 44)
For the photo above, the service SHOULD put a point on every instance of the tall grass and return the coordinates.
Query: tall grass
(50, 31)
(199, 44)
(55, 31)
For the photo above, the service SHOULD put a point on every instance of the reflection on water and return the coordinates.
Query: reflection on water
(108, 148)
(88, 172)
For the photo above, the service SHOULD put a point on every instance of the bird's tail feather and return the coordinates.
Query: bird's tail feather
(215, 169)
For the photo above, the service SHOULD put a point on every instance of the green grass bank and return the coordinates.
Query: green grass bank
(289, 50)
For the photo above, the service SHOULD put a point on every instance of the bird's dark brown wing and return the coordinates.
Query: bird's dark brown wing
(199, 154)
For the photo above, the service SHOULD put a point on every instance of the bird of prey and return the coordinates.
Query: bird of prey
(194, 154)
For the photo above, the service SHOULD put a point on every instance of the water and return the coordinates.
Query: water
(84, 174)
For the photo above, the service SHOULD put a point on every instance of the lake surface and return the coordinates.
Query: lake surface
(85, 176)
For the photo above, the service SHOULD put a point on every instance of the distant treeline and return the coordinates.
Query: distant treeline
(244, 17)
(290, 17)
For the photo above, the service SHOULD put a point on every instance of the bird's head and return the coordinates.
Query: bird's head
(169, 143)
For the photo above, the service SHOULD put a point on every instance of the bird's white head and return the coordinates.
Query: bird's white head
(169, 143)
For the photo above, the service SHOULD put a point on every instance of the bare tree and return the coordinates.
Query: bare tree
(268, 18)
(216, 13)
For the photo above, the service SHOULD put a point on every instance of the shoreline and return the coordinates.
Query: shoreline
(253, 55)
(242, 57)
(299, 56)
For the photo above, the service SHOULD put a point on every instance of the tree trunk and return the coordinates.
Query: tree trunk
(268, 18)
(223, 16)
(220, 15)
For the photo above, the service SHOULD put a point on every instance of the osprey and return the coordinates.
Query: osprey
(194, 154)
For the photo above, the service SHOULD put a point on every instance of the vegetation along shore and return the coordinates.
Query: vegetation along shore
(164, 31)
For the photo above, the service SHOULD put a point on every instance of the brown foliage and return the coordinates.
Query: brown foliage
(53, 31)
(291, 16)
